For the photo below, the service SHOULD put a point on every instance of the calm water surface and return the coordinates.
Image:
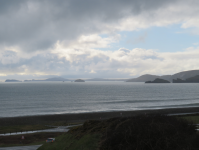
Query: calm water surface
(38, 98)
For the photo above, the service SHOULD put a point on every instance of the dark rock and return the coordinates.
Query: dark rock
(12, 80)
(158, 80)
(79, 80)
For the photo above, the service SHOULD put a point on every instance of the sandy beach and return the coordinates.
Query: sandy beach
(72, 118)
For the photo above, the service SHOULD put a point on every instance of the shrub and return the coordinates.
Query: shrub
(149, 132)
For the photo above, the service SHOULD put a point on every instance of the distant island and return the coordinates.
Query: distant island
(157, 80)
(12, 80)
(194, 79)
(191, 76)
(49, 79)
(72, 80)
(63, 79)
(79, 80)
(102, 79)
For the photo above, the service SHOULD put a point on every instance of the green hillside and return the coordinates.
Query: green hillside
(151, 132)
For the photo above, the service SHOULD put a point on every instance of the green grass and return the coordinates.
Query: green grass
(11, 145)
(21, 128)
(69, 142)
(59, 123)
(74, 127)
(64, 123)
(30, 139)
(191, 118)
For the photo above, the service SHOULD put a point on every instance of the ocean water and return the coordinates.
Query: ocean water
(40, 98)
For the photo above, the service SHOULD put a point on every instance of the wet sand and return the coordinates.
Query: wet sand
(81, 117)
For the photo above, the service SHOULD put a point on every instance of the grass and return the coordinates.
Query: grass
(86, 137)
(63, 123)
(191, 118)
(30, 139)
(74, 127)
(12, 145)
(141, 132)
(22, 128)
(70, 142)
(58, 123)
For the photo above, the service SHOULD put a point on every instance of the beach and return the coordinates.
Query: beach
(81, 117)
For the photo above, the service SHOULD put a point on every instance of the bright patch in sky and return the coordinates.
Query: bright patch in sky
(172, 38)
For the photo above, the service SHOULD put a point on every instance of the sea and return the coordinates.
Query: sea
(42, 98)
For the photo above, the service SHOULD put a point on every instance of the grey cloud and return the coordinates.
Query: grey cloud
(38, 24)
(11, 5)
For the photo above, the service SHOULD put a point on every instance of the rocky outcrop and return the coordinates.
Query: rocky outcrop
(12, 80)
(79, 80)
(157, 80)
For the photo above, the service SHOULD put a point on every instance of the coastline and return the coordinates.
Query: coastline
(81, 117)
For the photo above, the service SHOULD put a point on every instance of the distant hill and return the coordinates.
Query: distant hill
(185, 74)
(57, 79)
(178, 80)
(194, 79)
(49, 79)
(181, 75)
(101, 79)
(157, 80)
(12, 80)
(63, 79)
(148, 77)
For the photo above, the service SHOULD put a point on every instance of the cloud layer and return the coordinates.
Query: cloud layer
(87, 63)
(64, 37)
(38, 24)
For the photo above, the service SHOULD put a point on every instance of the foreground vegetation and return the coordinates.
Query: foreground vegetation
(22, 128)
(139, 132)
(151, 132)
(34, 127)
(191, 118)
(30, 139)
(71, 142)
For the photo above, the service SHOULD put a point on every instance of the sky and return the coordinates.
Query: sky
(97, 38)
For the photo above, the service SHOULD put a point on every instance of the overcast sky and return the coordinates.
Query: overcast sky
(97, 38)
